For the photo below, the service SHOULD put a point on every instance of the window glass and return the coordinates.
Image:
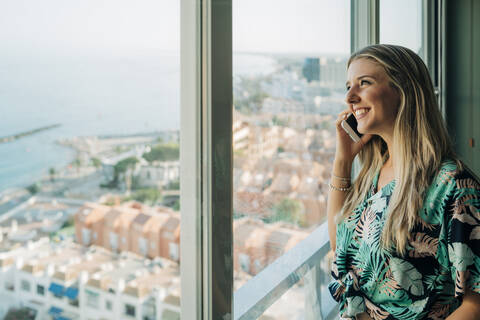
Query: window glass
(401, 23)
(89, 138)
(129, 310)
(92, 298)
(40, 290)
(25, 285)
(289, 63)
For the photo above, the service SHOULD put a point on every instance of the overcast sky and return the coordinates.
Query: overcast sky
(310, 26)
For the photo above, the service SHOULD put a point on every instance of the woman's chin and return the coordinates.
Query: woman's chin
(362, 130)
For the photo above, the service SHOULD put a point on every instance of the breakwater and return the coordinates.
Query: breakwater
(27, 133)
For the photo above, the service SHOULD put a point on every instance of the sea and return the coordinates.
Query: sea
(88, 95)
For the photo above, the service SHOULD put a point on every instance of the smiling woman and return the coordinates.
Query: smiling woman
(406, 241)
(372, 98)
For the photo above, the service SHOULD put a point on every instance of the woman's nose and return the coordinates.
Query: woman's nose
(351, 96)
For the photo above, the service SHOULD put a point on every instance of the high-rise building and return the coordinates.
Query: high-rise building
(311, 69)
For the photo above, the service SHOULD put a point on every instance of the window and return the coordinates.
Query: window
(40, 290)
(288, 87)
(245, 262)
(9, 286)
(94, 105)
(129, 310)
(402, 23)
(173, 251)
(92, 299)
(86, 236)
(73, 302)
(143, 245)
(25, 285)
(113, 238)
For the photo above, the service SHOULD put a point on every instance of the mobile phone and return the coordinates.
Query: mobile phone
(350, 126)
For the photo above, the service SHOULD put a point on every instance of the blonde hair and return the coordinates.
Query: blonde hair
(420, 141)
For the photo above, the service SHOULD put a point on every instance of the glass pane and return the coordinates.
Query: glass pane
(289, 64)
(89, 173)
(311, 295)
(401, 23)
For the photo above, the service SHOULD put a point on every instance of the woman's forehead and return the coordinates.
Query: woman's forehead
(365, 67)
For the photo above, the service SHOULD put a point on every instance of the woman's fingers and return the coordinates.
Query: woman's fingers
(341, 116)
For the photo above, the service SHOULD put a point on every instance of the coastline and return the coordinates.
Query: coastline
(24, 134)
(81, 150)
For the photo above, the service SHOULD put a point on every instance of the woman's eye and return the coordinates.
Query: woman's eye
(362, 82)
(347, 88)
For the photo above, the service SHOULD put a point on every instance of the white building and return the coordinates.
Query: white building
(158, 174)
(68, 281)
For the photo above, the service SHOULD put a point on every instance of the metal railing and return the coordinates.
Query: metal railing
(307, 260)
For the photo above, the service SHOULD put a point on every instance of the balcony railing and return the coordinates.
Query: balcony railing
(307, 261)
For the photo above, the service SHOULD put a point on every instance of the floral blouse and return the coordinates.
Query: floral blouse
(442, 259)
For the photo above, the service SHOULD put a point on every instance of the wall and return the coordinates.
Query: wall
(463, 78)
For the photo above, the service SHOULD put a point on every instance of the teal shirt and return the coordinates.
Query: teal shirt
(442, 259)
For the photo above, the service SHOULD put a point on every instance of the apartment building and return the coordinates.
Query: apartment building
(149, 232)
(258, 244)
(68, 281)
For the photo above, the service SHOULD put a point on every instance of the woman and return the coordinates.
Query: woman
(406, 232)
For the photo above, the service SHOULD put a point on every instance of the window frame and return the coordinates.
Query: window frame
(206, 243)
(206, 159)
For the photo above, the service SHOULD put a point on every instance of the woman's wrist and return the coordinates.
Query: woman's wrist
(342, 168)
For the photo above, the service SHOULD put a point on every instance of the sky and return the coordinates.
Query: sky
(300, 26)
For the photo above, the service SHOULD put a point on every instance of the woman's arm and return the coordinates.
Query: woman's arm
(345, 152)
(469, 309)
(336, 198)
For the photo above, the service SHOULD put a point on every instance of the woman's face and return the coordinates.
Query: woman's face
(371, 98)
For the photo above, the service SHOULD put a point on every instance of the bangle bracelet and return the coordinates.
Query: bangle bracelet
(340, 178)
(332, 187)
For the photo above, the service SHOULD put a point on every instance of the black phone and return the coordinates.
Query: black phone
(350, 126)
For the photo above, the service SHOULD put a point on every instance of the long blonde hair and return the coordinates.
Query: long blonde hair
(420, 143)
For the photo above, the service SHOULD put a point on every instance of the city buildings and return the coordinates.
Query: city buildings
(69, 281)
(149, 232)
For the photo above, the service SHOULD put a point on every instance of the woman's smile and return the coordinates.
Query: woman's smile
(361, 113)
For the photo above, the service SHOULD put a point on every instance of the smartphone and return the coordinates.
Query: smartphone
(350, 126)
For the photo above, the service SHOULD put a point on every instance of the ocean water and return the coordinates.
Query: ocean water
(87, 95)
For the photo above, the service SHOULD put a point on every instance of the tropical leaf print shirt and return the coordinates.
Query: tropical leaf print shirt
(442, 259)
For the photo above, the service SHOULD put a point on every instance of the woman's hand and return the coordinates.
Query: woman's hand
(346, 148)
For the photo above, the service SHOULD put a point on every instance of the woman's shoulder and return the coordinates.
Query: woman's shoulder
(456, 174)
(454, 186)
(454, 179)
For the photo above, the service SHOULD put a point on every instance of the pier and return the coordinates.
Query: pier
(27, 133)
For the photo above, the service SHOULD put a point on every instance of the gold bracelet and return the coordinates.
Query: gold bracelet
(332, 187)
(341, 178)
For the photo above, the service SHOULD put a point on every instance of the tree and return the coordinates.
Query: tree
(288, 210)
(96, 162)
(176, 205)
(123, 165)
(163, 152)
(147, 195)
(34, 188)
(174, 185)
(77, 164)
(52, 173)
(20, 314)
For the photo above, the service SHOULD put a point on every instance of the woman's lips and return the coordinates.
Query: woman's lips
(361, 113)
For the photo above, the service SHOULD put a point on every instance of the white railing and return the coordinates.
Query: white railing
(307, 261)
